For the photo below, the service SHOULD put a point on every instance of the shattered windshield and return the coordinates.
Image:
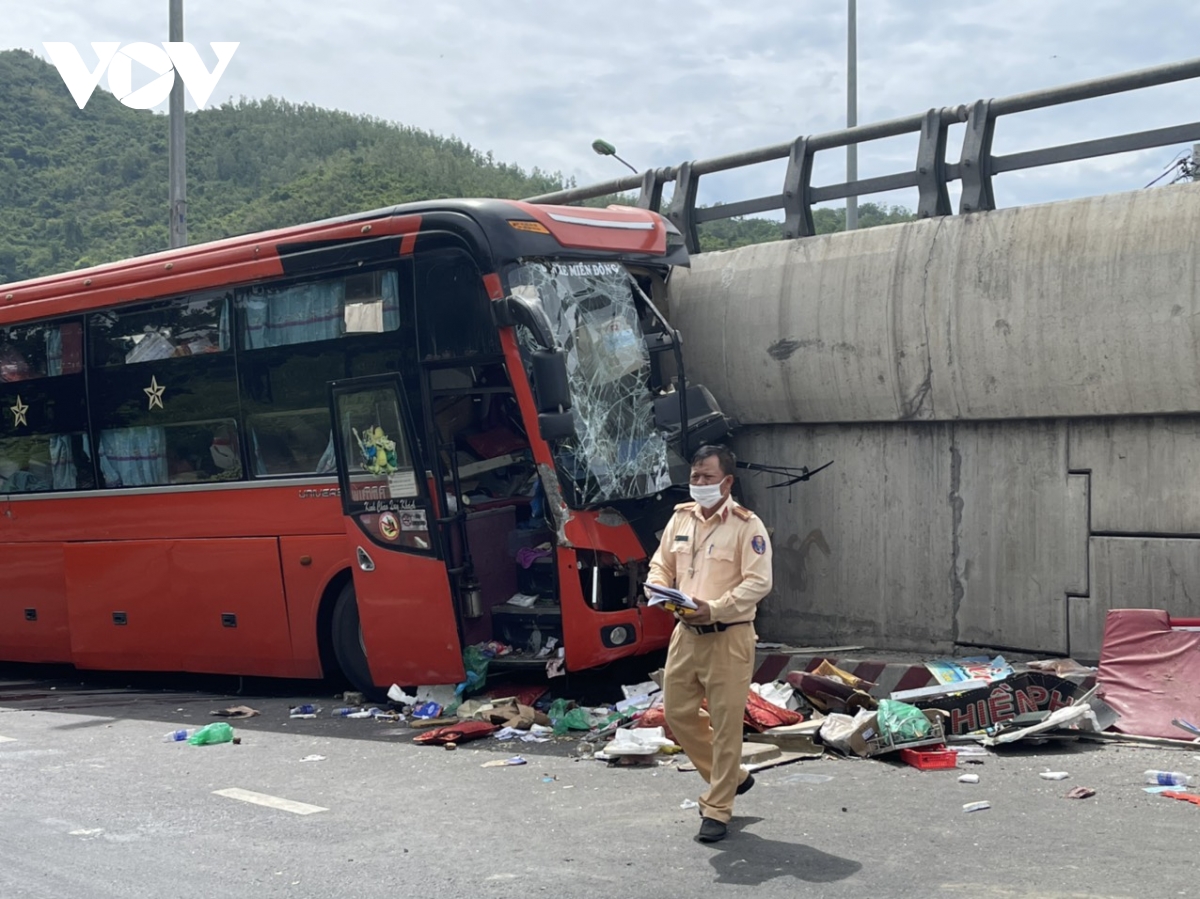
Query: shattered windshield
(617, 451)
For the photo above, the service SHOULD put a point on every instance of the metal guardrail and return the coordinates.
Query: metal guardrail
(931, 174)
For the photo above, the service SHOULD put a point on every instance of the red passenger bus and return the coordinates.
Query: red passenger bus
(367, 442)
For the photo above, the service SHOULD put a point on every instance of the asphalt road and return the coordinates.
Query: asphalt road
(93, 804)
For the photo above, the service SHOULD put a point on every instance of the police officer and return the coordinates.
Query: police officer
(718, 553)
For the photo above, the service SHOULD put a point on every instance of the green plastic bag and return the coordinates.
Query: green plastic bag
(558, 715)
(217, 732)
(476, 665)
(900, 722)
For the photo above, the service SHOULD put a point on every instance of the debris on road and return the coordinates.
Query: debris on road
(504, 763)
(1053, 775)
(217, 732)
(976, 806)
(969, 779)
(313, 758)
(237, 711)
(1079, 793)
(307, 710)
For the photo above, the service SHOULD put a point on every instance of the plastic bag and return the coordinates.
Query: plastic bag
(217, 732)
(557, 713)
(901, 722)
(476, 665)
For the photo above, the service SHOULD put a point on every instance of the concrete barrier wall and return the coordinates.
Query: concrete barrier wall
(1082, 308)
(1011, 400)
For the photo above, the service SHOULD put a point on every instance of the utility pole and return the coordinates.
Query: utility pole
(851, 107)
(175, 152)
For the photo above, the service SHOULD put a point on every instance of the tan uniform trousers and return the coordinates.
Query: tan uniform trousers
(719, 667)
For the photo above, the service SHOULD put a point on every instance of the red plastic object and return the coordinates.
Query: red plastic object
(930, 759)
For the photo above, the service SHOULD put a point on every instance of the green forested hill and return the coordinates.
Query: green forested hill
(82, 187)
(79, 187)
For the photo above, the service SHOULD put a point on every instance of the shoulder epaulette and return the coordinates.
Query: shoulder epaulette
(685, 507)
(743, 513)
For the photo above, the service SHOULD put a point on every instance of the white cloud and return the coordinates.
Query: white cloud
(536, 81)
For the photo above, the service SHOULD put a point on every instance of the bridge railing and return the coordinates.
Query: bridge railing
(931, 174)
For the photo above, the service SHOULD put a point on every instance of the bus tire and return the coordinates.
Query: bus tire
(346, 634)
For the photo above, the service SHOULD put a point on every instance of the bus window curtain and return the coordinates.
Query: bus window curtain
(305, 313)
(133, 457)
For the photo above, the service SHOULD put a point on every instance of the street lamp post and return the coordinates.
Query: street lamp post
(851, 108)
(604, 148)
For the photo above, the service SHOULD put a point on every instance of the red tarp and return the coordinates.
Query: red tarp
(1149, 673)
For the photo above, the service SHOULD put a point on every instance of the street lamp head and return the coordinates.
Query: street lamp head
(604, 148)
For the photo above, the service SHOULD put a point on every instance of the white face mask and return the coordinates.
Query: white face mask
(707, 495)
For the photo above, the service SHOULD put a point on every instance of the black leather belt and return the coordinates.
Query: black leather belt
(712, 628)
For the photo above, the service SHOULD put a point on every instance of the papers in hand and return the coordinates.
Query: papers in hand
(660, 596)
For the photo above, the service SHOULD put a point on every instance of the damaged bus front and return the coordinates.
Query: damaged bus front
(553, 455)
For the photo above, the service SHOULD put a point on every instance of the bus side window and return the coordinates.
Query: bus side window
(453, 309)
(163, 391)
(296, 338)
(43, 413)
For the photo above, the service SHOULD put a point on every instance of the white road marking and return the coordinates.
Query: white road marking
(285, 805)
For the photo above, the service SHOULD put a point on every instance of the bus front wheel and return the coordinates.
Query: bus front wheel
(348, 643)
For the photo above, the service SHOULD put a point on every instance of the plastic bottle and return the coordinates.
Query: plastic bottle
(343, 712)
(308, 710)
(217, 732)
(177, 736)
(1167, 778)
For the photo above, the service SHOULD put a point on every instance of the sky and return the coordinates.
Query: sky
(535, 81)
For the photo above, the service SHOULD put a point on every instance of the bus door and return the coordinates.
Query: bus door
(406, 614)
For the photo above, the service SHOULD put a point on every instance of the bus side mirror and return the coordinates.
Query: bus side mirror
(551, 388)
(517, 310)
(556, 425)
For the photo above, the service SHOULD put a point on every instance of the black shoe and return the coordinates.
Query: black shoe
(745, 785)
(710, 831)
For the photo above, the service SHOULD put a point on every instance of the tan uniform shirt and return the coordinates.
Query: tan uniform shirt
(724, 560)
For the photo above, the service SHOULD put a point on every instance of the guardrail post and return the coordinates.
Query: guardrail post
(652, 188)
(975, 168)
(934, 199)
(682, 211)
(798, 218)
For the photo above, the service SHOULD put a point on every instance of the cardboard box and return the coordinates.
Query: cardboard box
(867, 741)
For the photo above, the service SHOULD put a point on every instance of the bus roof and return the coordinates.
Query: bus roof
(246, 258)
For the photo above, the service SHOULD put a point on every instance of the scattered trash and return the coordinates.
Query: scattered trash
(427, 710)
(1167, 778)
(1186, 725)
(689, 804)
(1055, 775)
(976, 806)
(450, 747)
(308, 710)
(969, 779)
(237, 711)
(1155, 789)
(217, 732)
(398, 696)
(1186, 797)
(803, 778)
(351, 697)
(504, 763)
(933, 759)
(313, 758)
(549, 779)
(1080, 793)
(178, 736)
(637, 741)
(461, 732)
(953, 671)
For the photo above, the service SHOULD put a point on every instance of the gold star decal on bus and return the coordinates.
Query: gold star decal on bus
(155, 392)
(18, 411)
